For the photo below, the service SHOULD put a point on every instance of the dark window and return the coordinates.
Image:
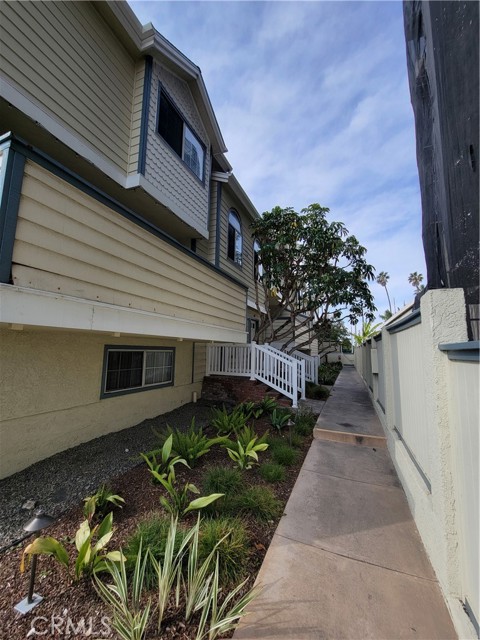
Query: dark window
(170, 124)
(136, 369)
(175, 131)
(235, 241)
(257, 267)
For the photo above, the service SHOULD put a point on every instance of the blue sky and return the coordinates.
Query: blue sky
(312, 99)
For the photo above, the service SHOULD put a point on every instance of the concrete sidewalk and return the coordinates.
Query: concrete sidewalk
(346, 560)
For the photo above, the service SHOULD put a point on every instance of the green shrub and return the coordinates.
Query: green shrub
(232, 550)
(305, 420)
(328, 372)
(316, 391)
(102, 501)
(282, 453)
(272, 472)
(260, 502)
(247, 434)
(279, 418)
(152, 534)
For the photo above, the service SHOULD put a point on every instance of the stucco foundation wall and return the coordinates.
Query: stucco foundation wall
(50, 392)
(423, 423)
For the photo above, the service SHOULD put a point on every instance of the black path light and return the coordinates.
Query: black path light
(39, 522)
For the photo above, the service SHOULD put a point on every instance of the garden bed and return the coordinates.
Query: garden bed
(78, 601)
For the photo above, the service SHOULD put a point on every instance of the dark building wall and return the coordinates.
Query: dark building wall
(443, 70)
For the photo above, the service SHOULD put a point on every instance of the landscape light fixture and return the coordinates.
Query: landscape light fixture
(36, 524)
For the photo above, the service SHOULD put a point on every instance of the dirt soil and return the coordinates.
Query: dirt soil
(74, 604)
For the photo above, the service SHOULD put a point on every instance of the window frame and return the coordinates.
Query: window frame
(145, 387)
(238, 233)
(186, 125)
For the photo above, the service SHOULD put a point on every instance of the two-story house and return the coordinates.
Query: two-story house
(125, 241)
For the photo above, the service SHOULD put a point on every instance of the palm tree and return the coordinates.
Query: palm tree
(368, 331)
(387, 315)
(415, 280)
(382, 280)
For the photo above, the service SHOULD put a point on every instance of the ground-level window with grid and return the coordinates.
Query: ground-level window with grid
(130, 369)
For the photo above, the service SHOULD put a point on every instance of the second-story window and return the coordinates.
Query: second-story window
(257, 266)
(175, 131)
(235, 241)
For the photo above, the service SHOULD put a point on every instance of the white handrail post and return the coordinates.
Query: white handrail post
(294, 369)
(252, 360)
(302, 378)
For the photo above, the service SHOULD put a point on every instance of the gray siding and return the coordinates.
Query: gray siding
(164, 169)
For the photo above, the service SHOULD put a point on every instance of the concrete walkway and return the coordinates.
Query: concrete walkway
(346, 560)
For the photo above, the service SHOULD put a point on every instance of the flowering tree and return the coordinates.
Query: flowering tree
(314, 276)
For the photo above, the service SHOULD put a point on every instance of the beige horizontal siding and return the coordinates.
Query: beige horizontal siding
(68, 242)
(67, 60)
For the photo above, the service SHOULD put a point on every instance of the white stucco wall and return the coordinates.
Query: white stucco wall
(418, 388)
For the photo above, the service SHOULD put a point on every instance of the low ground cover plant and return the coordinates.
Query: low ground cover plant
(259, 502)
(282, 452)
(226, 422)
(245, 455)
(160, 461)
(272, 472)
(228, 538)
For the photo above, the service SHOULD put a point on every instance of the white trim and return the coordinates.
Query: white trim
(35, 308)
(25, 104)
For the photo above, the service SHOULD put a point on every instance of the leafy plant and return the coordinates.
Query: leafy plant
(90, 545)
(272, 472)
(260, 502)
(247, 434)
(267, 405)
(228, 538)
(225, 422)
(47, 546)
(160, 461)
(192, 444)
(102, 500)
(178, 503)
(223, 618)
(151, 534)
(295, 440)
(279, 419)
(250, 410)
(245, 456)
(197, 588)
(130, 621)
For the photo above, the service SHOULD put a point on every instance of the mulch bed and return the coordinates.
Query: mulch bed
(78, 601)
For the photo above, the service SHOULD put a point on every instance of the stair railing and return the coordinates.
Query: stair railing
(279, 371)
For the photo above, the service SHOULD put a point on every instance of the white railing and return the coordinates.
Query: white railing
(311, 365)
(281, 372)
